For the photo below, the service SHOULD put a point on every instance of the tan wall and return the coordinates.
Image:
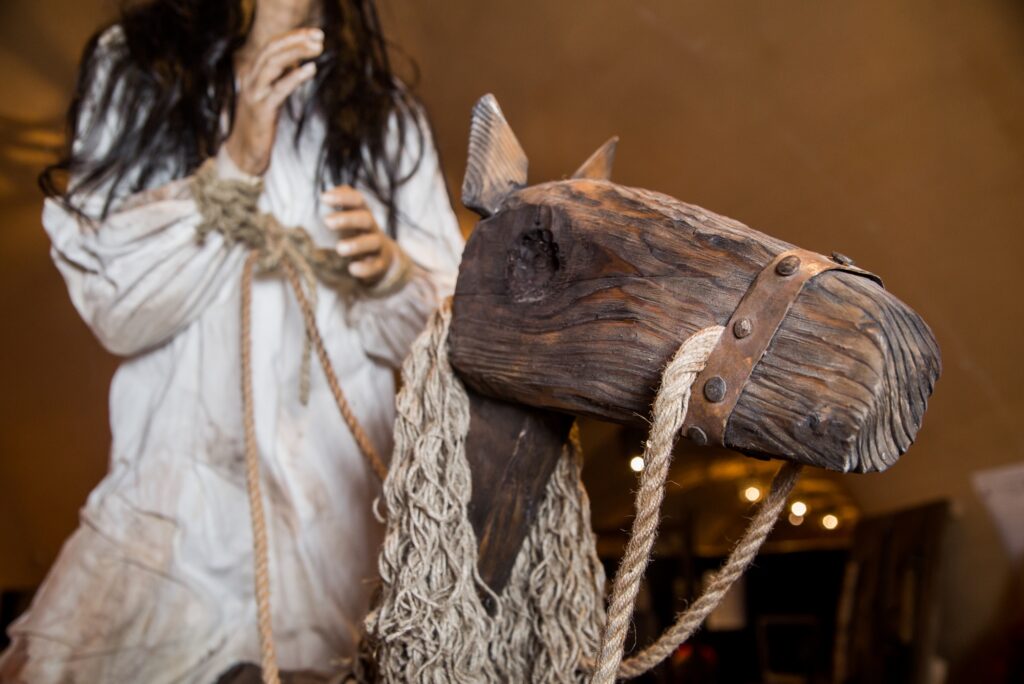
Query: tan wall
(892, 132)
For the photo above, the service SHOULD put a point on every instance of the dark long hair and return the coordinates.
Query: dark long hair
(170, 78)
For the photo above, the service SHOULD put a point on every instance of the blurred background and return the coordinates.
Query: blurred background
(892, 132)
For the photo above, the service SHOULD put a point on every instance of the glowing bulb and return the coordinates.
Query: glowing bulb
(798, 508)
(796, 520)
(752, 493)
(636, 464)
(830, 522)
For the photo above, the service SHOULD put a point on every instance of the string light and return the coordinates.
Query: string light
(798, 508)
(830, 522)
(752, 493)
(636, 464)
(796, 520)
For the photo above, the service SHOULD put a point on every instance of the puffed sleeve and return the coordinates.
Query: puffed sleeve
(137, 274)
(429, 235)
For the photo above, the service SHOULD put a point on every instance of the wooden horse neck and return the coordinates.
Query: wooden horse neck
(512, 451)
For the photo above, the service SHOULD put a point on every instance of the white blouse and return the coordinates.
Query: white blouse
(156, 585)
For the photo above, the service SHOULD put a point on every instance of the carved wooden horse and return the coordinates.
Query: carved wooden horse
(573, 295)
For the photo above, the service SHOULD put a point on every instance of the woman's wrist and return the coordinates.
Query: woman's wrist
(229, 169)
(236, 161)
(396, 275)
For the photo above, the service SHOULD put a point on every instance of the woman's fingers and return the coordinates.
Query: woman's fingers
(281, 90)
(273, 75)
(285, 63)
(281, 52)
(369, 249)
(277, 72)
(361, 245)
(259, 62)
(355, 219)
(344, 197)
(371, 269)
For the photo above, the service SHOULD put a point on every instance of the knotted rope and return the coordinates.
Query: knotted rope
(229, 207)
(668, 413)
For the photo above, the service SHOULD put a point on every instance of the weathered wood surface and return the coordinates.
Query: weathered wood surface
(512, 450)
(576, 293)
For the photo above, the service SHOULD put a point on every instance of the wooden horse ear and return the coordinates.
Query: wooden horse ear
(599, 165)
(497, 164)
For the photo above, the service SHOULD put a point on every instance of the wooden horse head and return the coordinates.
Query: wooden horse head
(573, 295)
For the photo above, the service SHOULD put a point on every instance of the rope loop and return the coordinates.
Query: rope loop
(669, 412)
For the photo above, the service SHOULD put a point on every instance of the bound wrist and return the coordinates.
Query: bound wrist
(396, 275)
(229, 169)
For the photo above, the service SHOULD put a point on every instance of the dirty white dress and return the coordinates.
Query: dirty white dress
(156, 585)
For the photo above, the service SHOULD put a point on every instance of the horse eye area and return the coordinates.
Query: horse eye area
(532, 263)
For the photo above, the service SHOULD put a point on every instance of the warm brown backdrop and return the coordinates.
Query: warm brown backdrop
(892, 132)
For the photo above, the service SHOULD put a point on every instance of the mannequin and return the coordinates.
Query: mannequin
(298, 97)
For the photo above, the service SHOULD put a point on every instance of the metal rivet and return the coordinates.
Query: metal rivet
(788, 266)
(697, 436)
(714, 389)
(742, 328)
(841, 258)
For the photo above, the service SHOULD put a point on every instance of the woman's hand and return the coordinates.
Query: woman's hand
(265, 82)
(360, 238)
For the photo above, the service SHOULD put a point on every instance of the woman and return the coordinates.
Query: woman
(296, 95)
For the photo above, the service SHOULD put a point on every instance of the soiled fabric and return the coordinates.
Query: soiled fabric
(156, 585)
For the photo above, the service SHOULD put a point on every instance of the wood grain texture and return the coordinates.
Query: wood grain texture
(598, 166)
(575, 295)
(496, 164)
(512, 450)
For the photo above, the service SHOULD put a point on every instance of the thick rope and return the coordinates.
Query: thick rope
(362, 440)
(230, 208)
(252, 481)
(252, 473)
(742, 555)
(669, 411)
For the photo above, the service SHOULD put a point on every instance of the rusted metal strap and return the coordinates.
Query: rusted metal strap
(747, 335)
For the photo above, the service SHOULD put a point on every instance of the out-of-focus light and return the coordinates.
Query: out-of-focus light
(636, 464)
(752, 493)
(798, 508)
(796, 520)
(830, 522)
